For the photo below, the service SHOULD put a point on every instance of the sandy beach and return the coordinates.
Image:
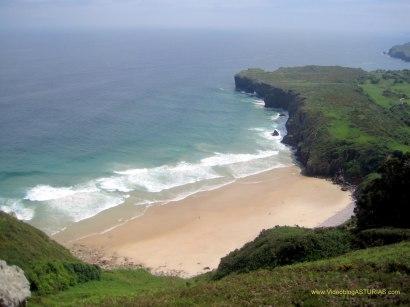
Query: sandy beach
(189, 236)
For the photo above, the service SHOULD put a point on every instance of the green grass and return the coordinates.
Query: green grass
(384, 267)
(377, 268)
(285, 245)
(22, 244)
(386, 93)
(114, 285)
(375, 92)
(48, 266)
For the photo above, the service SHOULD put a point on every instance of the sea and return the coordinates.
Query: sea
(91, 118)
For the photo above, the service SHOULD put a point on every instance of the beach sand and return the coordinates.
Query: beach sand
(188, 237)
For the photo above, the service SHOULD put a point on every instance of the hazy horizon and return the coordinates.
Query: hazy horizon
(336, 15)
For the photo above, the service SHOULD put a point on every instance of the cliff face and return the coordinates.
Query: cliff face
(298, 120)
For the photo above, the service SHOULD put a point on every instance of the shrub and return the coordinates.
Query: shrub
(50, 277)
(383, 200)
(381, 236)
(285, 245)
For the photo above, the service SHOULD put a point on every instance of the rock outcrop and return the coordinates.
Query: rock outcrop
(14, 286)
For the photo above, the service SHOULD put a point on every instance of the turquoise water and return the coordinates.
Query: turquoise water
(87, 118)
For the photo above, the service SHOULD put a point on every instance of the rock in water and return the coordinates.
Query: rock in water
(275, 133)
(14, 286)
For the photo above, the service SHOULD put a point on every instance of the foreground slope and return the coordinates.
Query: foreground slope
(48, 266)
(337, 129)
(382, 268)
(22, 244)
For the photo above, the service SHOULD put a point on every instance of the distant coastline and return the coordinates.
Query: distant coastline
(400, 52)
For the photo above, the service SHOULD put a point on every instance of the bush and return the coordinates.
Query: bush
(381, 236)
(50, 277)
(285, 245)
(383, 201)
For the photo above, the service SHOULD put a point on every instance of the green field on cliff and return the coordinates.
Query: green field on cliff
(342, 120)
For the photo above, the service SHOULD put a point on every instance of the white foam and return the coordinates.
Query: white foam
(220, 159)
(257, 129)
(46, 192)
(77, 202)
(15, 206)
(268, 135)
(247, 170)
(84, 205)
(259, 103)
(159, 178)
(115, 183)
(275, 117)
(204, 189)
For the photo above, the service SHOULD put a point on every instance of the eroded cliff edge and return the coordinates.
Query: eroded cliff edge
(288, 100)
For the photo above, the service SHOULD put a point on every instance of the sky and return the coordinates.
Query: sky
(345, 15)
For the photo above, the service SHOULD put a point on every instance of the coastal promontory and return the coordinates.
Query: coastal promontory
(342, 121)
(401, 52)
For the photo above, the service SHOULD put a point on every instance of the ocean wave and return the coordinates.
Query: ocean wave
(46, 192)
(166, 177)
(275, 117)
(159, 178)
(259, 103)
(156, 184)
(220, 159)
(77, 202)
(84, 205)
(16, 206)
(267, 134)
(84, 201)
(257, 129)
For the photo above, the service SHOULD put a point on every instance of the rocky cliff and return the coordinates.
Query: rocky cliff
(298, 123)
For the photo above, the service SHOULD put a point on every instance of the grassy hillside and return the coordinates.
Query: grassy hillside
(391, 91)
(22, 244)
(286, 245)
(48, 266)
(337, 123)
(379, 268)
(114, 286)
